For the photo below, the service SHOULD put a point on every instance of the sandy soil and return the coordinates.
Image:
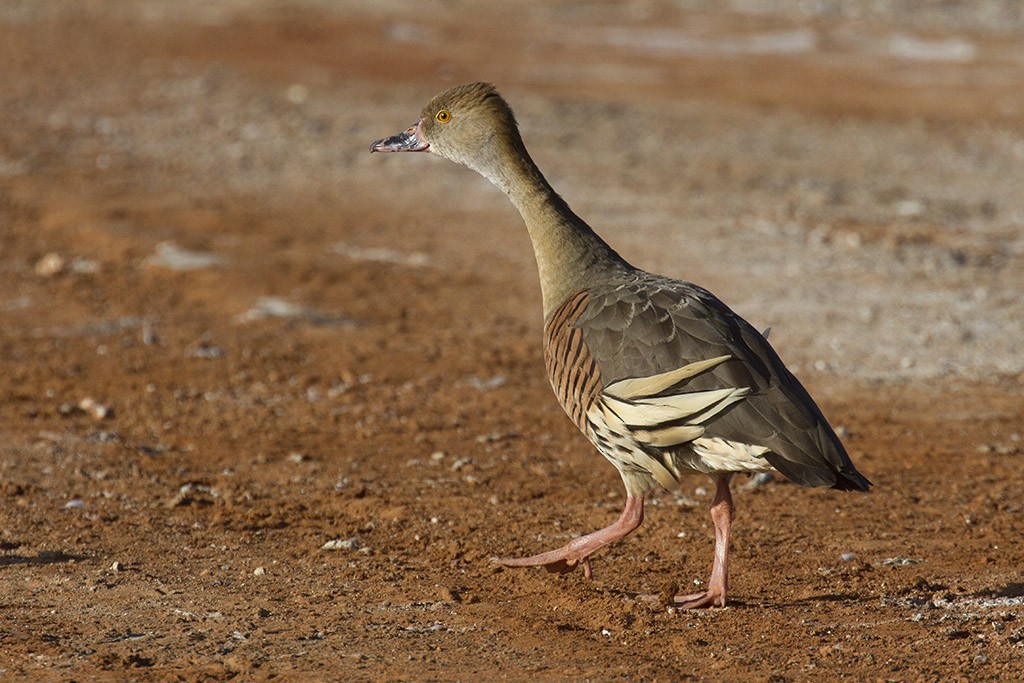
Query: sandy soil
(268, 403)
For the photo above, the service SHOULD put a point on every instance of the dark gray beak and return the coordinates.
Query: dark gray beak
(407, 141)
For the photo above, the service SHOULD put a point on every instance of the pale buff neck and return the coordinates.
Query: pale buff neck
(570, 255)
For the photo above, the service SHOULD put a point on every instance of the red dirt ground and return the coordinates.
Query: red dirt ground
(230, 337)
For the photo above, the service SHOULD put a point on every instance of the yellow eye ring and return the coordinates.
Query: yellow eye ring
(443, 116)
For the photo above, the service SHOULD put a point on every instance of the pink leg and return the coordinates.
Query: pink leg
(718, 584)
(578, 550)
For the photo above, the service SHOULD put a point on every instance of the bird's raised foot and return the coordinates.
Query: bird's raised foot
(561, 561)
(578, 550)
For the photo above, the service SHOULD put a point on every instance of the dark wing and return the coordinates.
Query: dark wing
(647, 325)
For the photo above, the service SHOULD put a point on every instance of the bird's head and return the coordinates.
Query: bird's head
(468, 124)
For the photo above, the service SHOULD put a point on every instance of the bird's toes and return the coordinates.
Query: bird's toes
(699, 600)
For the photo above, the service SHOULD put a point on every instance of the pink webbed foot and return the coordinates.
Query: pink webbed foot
(578, 551)
(561, 561)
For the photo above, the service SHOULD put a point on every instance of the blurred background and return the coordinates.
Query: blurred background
(847, 173)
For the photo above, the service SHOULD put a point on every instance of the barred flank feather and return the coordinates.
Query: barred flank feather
(571, 369)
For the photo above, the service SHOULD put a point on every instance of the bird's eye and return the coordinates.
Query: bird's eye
(443, 116)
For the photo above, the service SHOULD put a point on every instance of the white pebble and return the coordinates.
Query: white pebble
(94, 408)
(297, 93)
(172, 257)
(49, 265)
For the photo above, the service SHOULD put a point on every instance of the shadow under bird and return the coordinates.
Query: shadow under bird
(660, 375)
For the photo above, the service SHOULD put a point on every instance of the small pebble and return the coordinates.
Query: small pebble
(116, 567)
(259, 571)
(94, 408)
(50, 265)
(848, 557)
(296, 93)
(75, 504)
(172, 257)
(339, 544)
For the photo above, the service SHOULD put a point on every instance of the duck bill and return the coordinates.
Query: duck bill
(409, 140)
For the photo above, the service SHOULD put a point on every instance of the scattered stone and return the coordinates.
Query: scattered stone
(117, 567)
(338, 544)
(208, 351)
(93, 407)
(271, 307)
(49, 265)
(84, 266)
(487, 384)
(910, 208)
(74, 504)
(296, 93)
(194, 493)
(899, 561)
(259, 571)
(847, 557)
(169, 255)
(149, 337)
(382, 255)
(496, 436)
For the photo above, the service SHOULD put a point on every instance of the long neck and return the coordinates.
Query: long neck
(570, 255)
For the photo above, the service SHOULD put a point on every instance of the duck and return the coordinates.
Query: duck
(662, 377)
